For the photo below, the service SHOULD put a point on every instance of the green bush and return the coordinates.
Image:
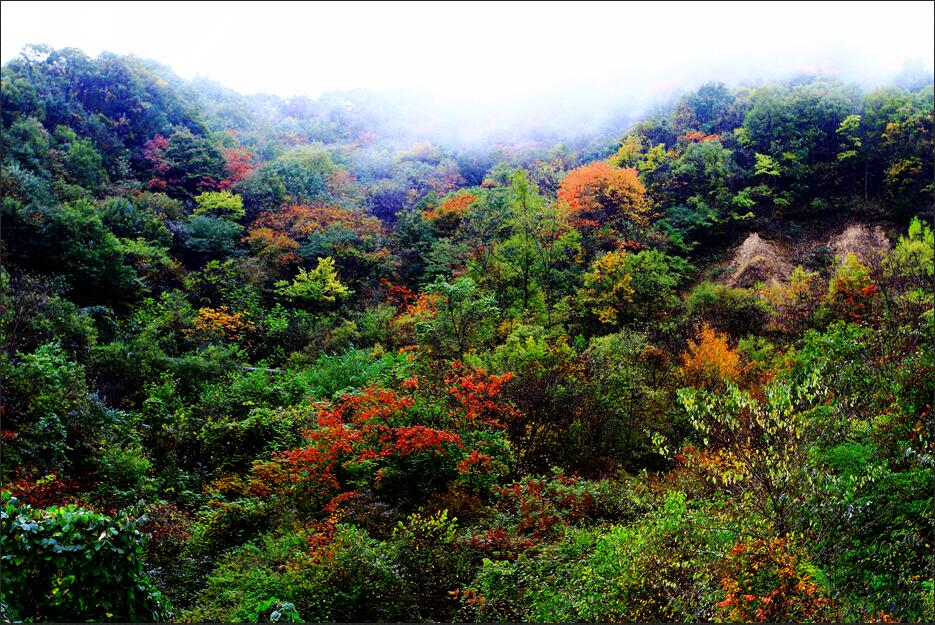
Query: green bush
(348, 577)
(72, 564)
(734, 310)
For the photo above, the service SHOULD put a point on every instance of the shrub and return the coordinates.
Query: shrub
(72, 564)
(733, 310)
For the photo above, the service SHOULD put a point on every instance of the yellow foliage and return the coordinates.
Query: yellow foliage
(607, 286)
(710, 359)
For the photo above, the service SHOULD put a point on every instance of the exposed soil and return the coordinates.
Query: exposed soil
(762, 260)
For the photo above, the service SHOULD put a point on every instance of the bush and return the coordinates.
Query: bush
(341, 574)
(659, 569)
(736, 311)
(72, 564)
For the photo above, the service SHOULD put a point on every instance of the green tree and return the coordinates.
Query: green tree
(220, 204)
(318, 286)
(464, 318)
(214, 236)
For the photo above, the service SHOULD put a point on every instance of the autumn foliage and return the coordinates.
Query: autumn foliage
(452, 207)
(601, 195)
(349, 375)
(220, 323)
(299, 221)
(709, 359)
(768, 581)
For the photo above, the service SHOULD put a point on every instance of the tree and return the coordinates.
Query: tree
(607, 289)
(709, 360)
(318, 286)
(220, 204)
(654, 280)
(73, 241)
(463, 320)
(911, 264)
(214, 236)
(606, 201)
(185, 163)
(755, 446)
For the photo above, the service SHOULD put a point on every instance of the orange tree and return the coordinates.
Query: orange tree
(606, 203)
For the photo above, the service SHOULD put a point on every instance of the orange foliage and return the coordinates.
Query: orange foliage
(453, 207)
(710, 359)
(301, 220)
(422, 308)
(764, 582)
(698, 137)
(399, 295)
(599, 194)
(445, 182)
(479, 395)
(342, 185)
(476, 461)
(273, 247)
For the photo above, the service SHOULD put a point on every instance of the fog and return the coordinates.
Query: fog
(474, 71)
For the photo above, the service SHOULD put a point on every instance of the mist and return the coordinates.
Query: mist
(475, 73)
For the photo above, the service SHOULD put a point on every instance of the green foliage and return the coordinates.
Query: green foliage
(213, 236)
(463, 319)
(220, 204)
(352, 577)
(125, 476)
(661, 567)
(73, 241)
(911, 264)
(275, 611)
(132, 219)
(735, 310)
(318, 286)
(303, 413)
(68, 563)
(350, 370)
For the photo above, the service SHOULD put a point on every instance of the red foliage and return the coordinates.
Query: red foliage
(417, 439)
(154, 152)
(476, 461)
(45, 491)
(168, 527)
(499, 543)
(763, 582)
(857, 302)
(398, 294)
(480, 395)
(541, 506)
(238, 162)
(355, 428)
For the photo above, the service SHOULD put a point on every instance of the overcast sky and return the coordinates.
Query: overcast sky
(490, 56)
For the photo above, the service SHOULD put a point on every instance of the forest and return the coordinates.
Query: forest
(271, 359)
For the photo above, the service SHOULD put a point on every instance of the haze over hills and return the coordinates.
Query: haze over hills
(469, 71)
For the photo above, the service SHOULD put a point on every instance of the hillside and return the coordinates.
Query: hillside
(268, 359)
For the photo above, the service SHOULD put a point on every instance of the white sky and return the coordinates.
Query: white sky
(489, 56)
